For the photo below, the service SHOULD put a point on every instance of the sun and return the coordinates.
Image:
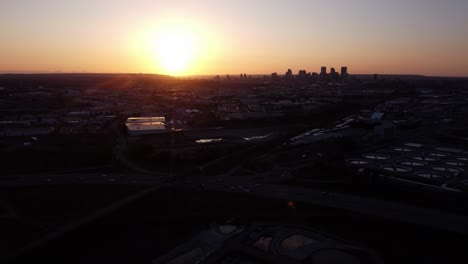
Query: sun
(176, 47)
(175, 50)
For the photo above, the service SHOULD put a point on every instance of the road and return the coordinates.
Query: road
(80, 179)
(373, 207)
(377, 208)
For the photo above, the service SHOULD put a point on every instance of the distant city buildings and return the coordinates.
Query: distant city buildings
(307, 77)
(302, 77)
(243, 76)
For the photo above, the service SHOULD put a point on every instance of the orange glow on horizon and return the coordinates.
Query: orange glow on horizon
(184, 38)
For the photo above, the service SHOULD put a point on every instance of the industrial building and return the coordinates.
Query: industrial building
(435, 167)
(146, 125)
(264, 242)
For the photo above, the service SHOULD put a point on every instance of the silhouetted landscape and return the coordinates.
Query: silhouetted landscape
(130, 168)
(233, 132)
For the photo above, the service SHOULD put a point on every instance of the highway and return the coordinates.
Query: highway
(76, 178)
(378, 208)
(372, 207)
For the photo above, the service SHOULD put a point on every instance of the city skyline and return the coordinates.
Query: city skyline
(255, 37)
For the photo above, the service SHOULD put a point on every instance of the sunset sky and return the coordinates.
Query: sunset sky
(427, 37)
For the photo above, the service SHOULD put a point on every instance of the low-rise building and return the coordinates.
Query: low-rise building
(146, 125)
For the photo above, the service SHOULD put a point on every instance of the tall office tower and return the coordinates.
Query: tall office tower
(288, 75)
(344, 70)
(333, 76)
(323, 74)
(344, 74)
(323, 70)
(302, 74)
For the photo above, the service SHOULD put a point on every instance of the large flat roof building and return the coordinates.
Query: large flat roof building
(146, 119)
(146, 125)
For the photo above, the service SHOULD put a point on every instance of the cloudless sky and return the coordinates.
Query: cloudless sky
(254, 36)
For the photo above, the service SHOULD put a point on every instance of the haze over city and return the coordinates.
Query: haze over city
(425, 37)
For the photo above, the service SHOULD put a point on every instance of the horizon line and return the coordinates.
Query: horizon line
(211, 75)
